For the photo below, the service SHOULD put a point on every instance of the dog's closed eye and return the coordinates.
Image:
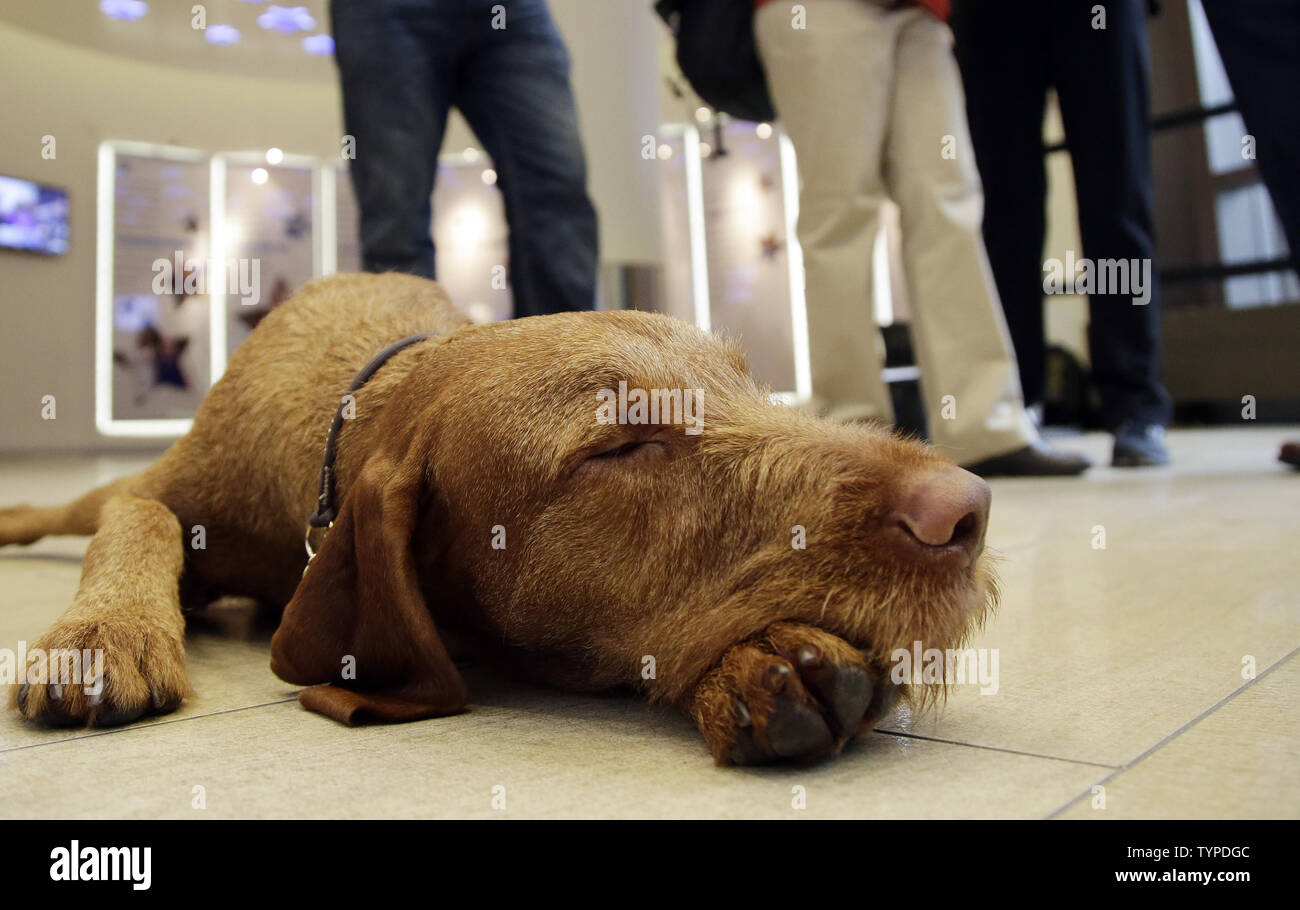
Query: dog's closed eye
(627, 454)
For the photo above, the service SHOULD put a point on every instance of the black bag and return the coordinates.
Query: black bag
(718, 55)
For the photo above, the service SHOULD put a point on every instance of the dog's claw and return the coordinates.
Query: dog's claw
(22, 696)
(163, 704)
(809, 656)
(775, 676)
(743, 717)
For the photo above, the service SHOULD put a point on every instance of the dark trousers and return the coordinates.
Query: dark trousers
(1259, 41)
(403, 65)
(1011, 52)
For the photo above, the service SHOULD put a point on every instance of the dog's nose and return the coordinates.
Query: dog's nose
(947, 507)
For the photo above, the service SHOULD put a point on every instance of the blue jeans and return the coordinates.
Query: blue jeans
(403, 65)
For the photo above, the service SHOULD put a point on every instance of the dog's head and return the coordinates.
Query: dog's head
(584, 491)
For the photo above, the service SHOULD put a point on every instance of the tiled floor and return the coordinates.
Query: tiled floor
(1121, 688)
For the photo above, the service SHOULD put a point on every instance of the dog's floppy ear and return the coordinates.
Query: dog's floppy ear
(357, 629)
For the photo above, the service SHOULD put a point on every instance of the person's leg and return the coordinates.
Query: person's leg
(1001, 53)
(1101, 78)
(831, 83)
(395, 62)
(1259, 41)
(513, 88)
(968, 373)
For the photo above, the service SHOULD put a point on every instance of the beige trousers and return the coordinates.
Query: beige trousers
(872, 100)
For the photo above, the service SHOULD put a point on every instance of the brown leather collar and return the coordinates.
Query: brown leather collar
(326, 511)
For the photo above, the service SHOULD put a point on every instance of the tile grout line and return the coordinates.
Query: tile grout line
(127, 728)
(165, 721)
(1173, 735)
(954, 742)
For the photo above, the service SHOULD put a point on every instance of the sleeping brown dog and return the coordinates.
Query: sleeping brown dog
(758, 572)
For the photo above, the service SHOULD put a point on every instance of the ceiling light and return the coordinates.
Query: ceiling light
(763, 130)
(221, 34)
(489, 176)
(287, 19)
(274, 155)
(318, 45)
(123, 9)
(259, 175)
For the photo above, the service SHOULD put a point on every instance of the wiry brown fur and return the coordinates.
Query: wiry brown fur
(681, 554)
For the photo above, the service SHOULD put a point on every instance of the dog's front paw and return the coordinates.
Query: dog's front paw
(121, 671)
(796, 692)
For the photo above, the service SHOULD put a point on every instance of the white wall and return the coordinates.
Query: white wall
(80, 98)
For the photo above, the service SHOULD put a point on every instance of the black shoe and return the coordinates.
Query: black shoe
(1140, 446)
(1037, 459)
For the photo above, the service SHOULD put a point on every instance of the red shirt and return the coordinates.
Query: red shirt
(941, 8)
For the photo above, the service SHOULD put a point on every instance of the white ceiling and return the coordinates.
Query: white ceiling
(165, 35)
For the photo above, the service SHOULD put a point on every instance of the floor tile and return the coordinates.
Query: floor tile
(1241, 761)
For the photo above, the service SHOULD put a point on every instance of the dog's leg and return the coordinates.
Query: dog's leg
(795, 692)
(125, 622)
(27, 524)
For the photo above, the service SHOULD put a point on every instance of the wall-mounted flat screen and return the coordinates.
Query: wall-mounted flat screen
(33, 217)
